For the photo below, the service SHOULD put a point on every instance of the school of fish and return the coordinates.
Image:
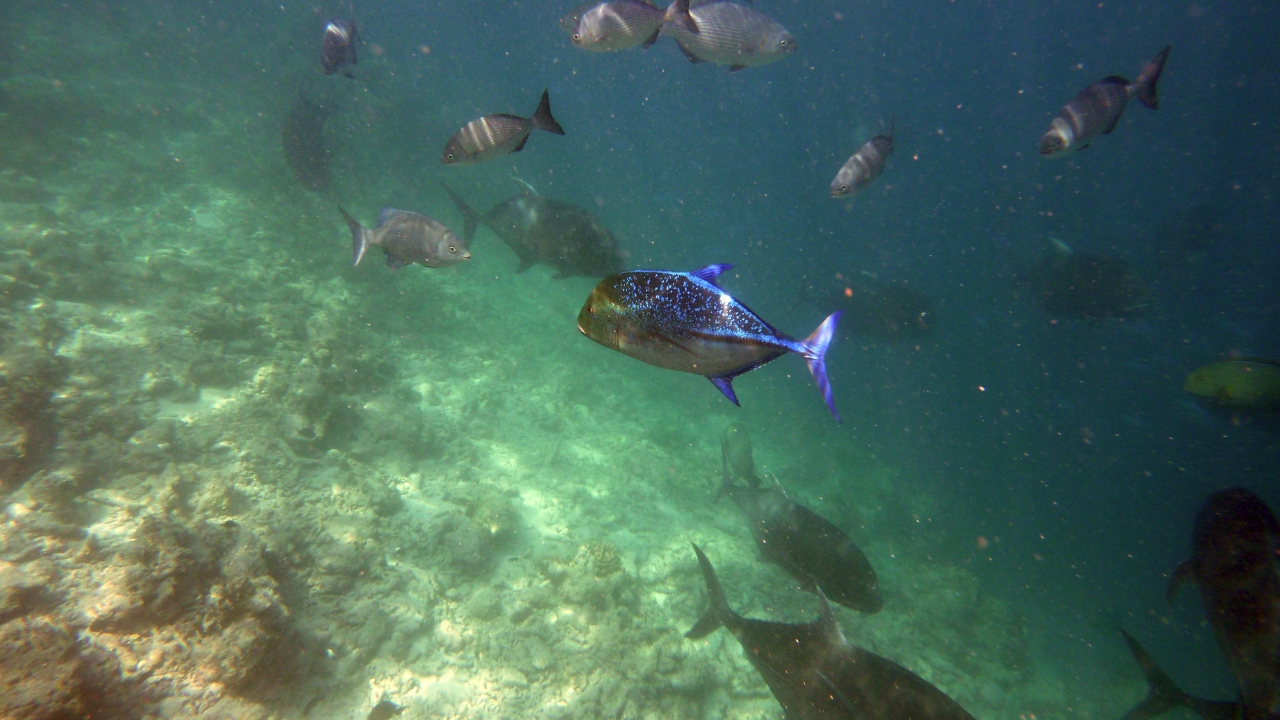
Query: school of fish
(685, 321)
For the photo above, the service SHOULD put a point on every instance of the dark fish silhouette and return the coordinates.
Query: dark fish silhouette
(686, 322)
(736, 454)
(303, 142)
(496, 135)
(800, 541)
(1097, 109)
(880, 310)
(384, 710)
(1163, 695)
(1086, 285)
(543, 231)
(815, 675)
(1234, 562)
(864, 166)
(339, 46)
(407, 237)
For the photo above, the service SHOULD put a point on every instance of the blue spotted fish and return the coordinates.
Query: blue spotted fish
(686, 322)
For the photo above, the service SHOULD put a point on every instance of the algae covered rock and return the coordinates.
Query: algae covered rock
(48, 674)
(462, 536)
(28, 377)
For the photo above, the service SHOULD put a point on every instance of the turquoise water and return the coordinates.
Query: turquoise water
(245, 479)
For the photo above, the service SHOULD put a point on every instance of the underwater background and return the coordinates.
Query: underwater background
(245, 479)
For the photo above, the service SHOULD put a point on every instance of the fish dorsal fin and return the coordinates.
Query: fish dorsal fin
(711, 272)
(526, 185)
(827, 621)
(1259, 361)
(386, 214)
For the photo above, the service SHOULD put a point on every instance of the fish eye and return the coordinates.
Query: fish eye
(591, 309)
(450, 156)
(784, 43)
(453, 249)
(577, 36)
(844, 188)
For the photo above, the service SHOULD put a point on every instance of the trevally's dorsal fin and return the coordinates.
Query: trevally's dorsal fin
(711, 272)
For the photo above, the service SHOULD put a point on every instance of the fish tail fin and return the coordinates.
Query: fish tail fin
(470, 218)
(719, 610)
(678, 14)
(359, 238)
(1145, 85)
(542, 116)
(814, 350)
(1162, 694)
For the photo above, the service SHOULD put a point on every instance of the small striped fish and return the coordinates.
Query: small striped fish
(1097, 109)
(622, 24)
(732, 34)
(864, 166)
(495, 135)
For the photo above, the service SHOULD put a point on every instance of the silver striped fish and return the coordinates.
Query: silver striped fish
(495, 135)
(622, 24)
(1097, 109)
(864, 166)
(732, 34)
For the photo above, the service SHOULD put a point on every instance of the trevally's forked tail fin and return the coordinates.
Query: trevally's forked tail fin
(719, 610)
(1163, 695)
(814, 350)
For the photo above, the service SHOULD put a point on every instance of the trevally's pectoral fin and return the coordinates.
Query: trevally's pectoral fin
(668, 340)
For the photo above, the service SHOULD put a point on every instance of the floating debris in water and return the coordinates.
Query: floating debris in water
(875, 309)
